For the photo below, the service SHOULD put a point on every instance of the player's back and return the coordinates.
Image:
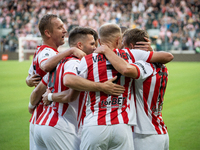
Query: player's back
(106, 109)
(149, 101)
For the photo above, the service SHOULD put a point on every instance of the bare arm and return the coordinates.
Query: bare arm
(118, 63)
(52, 62)
(61, 97)
(162, 57)
(36, 94)
(82, 84)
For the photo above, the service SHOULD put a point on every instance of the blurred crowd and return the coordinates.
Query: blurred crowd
(176, 22)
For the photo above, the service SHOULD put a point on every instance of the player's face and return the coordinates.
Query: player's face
(59, 32)
(89, 44)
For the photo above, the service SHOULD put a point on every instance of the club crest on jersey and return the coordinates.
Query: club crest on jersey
(47, 54)
(115, 102)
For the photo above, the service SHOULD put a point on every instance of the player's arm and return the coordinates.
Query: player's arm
(81, 84)
(118, 63)
(52, 62)
(33, 80)
(66, 96)
(161, 57)
(36, 96)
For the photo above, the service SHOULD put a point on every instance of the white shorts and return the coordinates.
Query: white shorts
(32, 145)
(50, 138)
(151, 141)
(115, 137)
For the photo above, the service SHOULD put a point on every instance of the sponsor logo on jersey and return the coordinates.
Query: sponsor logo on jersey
(115, 102)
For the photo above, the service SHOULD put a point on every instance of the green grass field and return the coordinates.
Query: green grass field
(180, 112)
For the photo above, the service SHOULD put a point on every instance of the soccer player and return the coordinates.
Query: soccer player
(53, 32)
(151, 131)
(148, 89)
(59, 120)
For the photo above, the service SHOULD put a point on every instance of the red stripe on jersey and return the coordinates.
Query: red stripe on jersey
(54, 118)
(69, 73)
(42, 116)
(81, 108)
(39, 109)
(132, 57)
(102, 77)
(114, 114)
(150, 56)
(57, 75)
(156, 125)
(125, 101)
(43, 60)
(138, 70)
(91, 77)
(154, 104)
(146, 90)
(44, 82)
(65, 106)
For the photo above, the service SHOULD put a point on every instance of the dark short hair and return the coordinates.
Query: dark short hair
(132, 36)
(79, 33)
(45, 23)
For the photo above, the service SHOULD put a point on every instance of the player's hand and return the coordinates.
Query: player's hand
(144, 45)
(30, 110)
(34, 79)
(112, 88)
(78, 53)
(102, 49)
(45, 98)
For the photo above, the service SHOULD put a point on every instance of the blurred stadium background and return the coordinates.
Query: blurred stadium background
(173, 25)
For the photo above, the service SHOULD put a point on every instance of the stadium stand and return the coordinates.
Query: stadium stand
(172, 24)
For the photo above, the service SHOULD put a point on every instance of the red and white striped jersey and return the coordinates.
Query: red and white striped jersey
(103, 109)
(149, 92)
(64, 116)
(43, 53)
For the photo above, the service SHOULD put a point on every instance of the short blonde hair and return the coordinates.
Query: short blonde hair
(109, 31)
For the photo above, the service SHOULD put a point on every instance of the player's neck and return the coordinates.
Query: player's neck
(50, 44)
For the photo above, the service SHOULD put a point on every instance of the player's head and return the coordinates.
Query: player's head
(131, 36)
(82, 38)
(52, 28)
(110, 34)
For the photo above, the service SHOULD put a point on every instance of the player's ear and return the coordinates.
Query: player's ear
(47, 33)
(99, 41)
(131, 46)
(79, 45)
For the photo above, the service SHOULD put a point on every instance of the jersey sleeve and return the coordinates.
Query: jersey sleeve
(30, 71)
(144, 69)
(45, 54)
(83, 69)
(71, 67)
(142, 55)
